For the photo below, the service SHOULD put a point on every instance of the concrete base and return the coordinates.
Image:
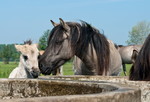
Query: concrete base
(66, 89)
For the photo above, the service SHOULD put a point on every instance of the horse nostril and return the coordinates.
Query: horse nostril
(35, 69)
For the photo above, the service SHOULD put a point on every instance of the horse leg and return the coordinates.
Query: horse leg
(58, 71)
(54, 72)
(124, 69)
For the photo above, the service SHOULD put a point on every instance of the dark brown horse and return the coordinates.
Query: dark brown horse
(141, 68)
(69, 38)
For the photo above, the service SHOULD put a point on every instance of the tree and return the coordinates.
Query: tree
(1, 49)
(15, 56)
(6, 54)
(43, 40)
(139, 33)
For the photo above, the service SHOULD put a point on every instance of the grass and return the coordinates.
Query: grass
(67, 69)
(5, 69)
(128, 66)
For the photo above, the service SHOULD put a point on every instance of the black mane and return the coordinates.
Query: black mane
(141, 69)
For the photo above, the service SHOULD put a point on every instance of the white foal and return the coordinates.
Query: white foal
(28, 65)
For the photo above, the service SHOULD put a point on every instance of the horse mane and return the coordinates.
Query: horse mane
(120, 45)
(116, 46)
(29, 42)
(141, 68)
(90, 35)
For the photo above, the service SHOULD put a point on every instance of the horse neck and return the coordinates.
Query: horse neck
(89, 59)
(88, 48)
(96, 59)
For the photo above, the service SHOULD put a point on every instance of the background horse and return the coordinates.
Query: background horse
(99, 56)
(28, 65)
(141, 68)
(128, 54)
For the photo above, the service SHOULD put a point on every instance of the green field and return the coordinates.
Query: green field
(128, 66)
(5, 69)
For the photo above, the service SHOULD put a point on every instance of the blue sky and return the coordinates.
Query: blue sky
(21, 20)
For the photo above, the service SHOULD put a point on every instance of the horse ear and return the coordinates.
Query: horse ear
(18, 47)
(41, 52)
(65, 26)
(53, 23)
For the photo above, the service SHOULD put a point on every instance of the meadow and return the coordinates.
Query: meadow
(5, 69)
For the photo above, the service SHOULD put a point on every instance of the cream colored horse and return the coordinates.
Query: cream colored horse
(28, 65)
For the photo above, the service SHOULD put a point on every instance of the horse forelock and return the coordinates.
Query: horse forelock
(55, 35)
(29, 42)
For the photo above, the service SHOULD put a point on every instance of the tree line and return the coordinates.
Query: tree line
(137, 35)
(8, 53)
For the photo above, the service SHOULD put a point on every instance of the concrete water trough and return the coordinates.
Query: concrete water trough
(144, 86)
(58, 90)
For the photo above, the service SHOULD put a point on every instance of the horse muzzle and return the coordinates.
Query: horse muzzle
(45, 70)
(35, 74)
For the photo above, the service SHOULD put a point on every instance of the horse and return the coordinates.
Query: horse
(128, 54)
(98, 54)
(28, 65)
(58, 71)
(140, 70)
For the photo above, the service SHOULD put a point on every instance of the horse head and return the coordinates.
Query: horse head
(59, 48)
(68, 39)
(29, 58)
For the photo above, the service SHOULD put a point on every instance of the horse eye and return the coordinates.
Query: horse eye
(38, 57)
(59, 42)
(25, 57)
